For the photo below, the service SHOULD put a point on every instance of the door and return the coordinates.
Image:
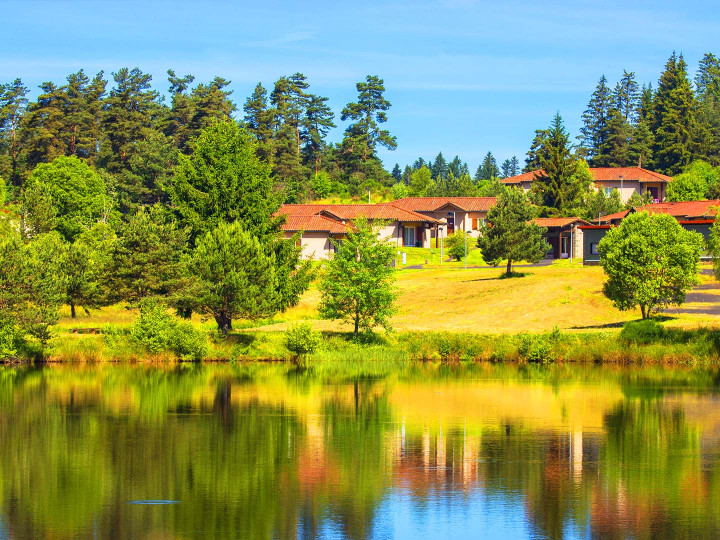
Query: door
(565, 249)
(653, 191)
(409, 237)
(450, 223)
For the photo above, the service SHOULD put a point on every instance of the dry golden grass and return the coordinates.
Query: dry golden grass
(453, 299)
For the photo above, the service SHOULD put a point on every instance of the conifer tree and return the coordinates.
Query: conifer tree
(43, 126)
(13, 100)
(489, 167)
(315, 127)
(439, 167)
(457, 167)
(514, 166)
(627, 97)
(674, 118)
(505, 169)
(510, 233)
(594, 131)
(259, 121)
(532, 160)
(396, 173)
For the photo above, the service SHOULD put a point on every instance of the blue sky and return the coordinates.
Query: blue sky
(463, 76)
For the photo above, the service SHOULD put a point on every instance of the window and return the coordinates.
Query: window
(475, 224)
(608, 191)
(594, 249)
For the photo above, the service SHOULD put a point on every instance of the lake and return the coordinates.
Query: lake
(421, 451)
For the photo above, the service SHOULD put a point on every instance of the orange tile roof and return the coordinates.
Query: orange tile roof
(387, 211)
(315, 224)
(559, 221)
(431, 204)
(601, 174)
(682, 209)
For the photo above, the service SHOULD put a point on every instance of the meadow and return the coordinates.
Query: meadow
(444, 311)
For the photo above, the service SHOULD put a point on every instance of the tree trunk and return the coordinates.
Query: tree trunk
(508, 272)
(72, 310)
(357, 321)
(224, 322)
(642, 311)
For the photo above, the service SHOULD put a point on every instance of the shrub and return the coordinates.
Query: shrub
(156, 331)
(536, 347)
(301, 339)
(455, 244)
(642, 332)
(8, 338)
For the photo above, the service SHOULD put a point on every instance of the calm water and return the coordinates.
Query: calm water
(426, 452)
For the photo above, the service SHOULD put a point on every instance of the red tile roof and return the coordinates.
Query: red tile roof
(601, 174)
(560, 221)
(315, 224)
(683, 209)
(386, 211)
(431, 204)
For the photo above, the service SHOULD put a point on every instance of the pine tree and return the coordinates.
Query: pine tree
(707, 82)
(396, 173)
(367, 114)
(13, 100)
(181, 109)
(594, 131)
(532, 160)
(627, 97)
(505, 169)
(561, 184)
(439, 167)
(489, 167)
(615, 151)
(129, 113)
(43, 126)
(510, 233)
(259, 121)
(83, 110)
(514, 166)
(318, 122)
(674, 118)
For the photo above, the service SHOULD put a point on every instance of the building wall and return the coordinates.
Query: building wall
(578, 243)
(463, 221)
(591, 237)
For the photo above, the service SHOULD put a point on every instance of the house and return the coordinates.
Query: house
(627, 180)
(697, 216)
(404, 227)
(460, 213)
(564, 236)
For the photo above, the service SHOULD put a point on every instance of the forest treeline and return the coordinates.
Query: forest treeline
(133, 135)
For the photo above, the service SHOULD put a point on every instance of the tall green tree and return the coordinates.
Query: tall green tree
(561, 182)
(698, 181)
(365, 134)
(421, 182)
(510, 232)
(489, 167)
(147, 257)
(234, 276)
(439, 167)
(13, 100)
(44, 123)
(532, 159)
(224, 181)
(129, 113)
(627, 97)
(707, 83)
(674, 118)
(84, 99)
(259, 121)
(593, 132)
(315, 127)
(650, 262)
(357, 284)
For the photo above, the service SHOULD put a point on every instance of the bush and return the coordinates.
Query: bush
(157, 331)
(301, 339)
(642, 332)
(536, 347)
(456, 245)
(8, 338)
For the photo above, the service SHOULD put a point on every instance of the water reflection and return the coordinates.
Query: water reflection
(263, 452)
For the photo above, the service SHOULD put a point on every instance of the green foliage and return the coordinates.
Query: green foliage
(536, 348)
(8, 338)
(599, 204)
(636, 200)
(399, 191)
(147, 257)
(421, 182)
(32, 281)
(564, 180)
(650, 262)
(455, 245)
(87, 264)
(233, 277)
(224, 181)
(301, 339)
(357, 284)
(642, 332)
(158, 331)
(321, 184)
(713, 247)
(510, 233)
(74, 192)
(698, 181)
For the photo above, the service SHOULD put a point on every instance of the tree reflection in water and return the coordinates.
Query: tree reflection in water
(263, 452)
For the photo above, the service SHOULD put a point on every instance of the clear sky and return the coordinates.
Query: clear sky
(463, 76)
